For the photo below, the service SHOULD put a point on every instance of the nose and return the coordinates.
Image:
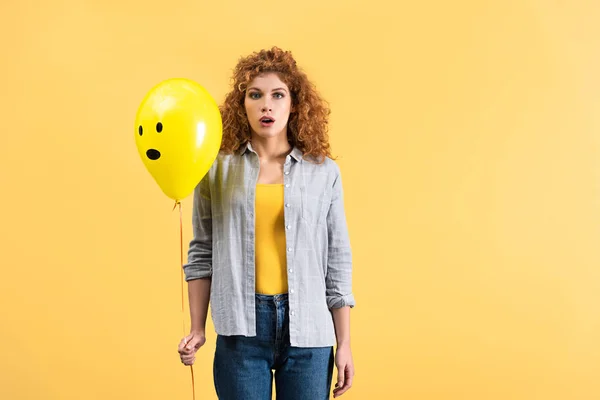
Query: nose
(265, 108)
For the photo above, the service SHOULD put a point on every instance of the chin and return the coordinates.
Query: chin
(268, 133)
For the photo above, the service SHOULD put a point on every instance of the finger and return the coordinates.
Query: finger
(190, 362)
(191, 345)
(183, 343)
(187, 356)
(348, 378)
(341, 390)
(347, 384)
(340, 377)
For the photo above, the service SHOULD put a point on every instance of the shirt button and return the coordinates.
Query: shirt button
(293, 312)
(287, 172)
(287, 185)
(287, 205)
(291, 270)
(289, 249)
(292, 291)
(288, 227)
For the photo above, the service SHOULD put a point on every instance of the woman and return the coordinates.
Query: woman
(271, 249)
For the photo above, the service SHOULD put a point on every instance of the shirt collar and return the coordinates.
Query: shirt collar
(296, 153)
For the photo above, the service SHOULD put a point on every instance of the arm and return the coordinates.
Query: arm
(199, 294)
(343, 356)
(338, 280)
(338, 284)
(198, 272)
(341, 320)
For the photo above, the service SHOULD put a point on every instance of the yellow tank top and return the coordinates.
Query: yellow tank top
(271, 276)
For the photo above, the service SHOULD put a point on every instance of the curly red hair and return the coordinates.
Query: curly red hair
(308, 122)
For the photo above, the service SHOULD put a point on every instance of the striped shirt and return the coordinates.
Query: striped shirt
(318, 254)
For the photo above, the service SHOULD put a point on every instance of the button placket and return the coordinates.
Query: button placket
(287, 217)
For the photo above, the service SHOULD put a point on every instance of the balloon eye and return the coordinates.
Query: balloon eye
(141, 130)
(159, 127)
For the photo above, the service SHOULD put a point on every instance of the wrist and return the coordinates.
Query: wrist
(198, 331)
(344, 343)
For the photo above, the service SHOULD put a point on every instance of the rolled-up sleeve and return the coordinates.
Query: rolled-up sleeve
(199, 263)
(338, 279)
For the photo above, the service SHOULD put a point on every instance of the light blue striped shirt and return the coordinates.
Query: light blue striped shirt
(318, 254)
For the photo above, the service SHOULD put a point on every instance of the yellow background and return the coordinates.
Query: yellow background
(468, 136)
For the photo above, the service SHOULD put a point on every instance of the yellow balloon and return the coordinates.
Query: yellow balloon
(178, 133)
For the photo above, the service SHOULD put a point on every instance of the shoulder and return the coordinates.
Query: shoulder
(222, 163)
(327, 166)
(225, 159)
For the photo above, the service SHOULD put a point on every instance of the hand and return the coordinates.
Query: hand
(189, 345)
(345, 368)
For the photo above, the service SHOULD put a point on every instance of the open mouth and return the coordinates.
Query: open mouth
(267, 121)
(153, 154)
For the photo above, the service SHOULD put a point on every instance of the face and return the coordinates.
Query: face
(268, 105)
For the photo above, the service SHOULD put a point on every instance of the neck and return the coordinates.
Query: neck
(269, 149)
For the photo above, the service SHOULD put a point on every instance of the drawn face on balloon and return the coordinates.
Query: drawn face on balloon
(168, 127)
(151, 153)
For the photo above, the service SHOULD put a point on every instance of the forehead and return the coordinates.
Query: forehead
(268, 81)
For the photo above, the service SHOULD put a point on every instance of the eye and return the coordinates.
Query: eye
(159, 127)
(254, 95)
(279, 95)
(141, 130)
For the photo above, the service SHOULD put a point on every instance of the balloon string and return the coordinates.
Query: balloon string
(178, 203)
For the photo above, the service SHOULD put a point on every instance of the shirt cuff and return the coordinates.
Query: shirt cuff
(196, 272)
(341, 301)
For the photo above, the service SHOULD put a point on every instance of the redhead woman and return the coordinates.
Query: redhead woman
(271, 251)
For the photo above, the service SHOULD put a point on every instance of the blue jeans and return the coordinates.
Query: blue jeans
(243, 366)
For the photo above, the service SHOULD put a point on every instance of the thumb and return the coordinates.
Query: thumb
(193, 341)
(186, 341)
(340, 378)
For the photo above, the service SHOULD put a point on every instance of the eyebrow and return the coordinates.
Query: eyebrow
(274, 90)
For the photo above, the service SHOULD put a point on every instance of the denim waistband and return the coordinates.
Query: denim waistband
(273, 299)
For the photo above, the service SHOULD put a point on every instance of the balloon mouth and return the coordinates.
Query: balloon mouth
(153, 154)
